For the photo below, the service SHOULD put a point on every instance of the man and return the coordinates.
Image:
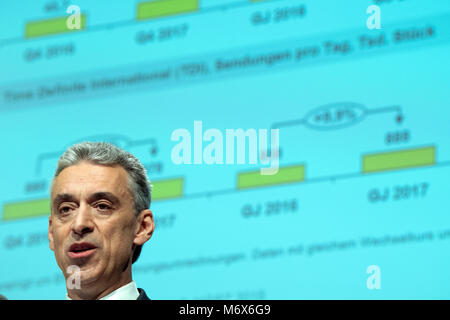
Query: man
(100, 218)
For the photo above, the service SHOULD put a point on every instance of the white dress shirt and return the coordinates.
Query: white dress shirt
(126, 292)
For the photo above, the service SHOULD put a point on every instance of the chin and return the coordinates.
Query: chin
(88, 272)
(88, 276)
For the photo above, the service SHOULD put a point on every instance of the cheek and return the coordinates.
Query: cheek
(58, 246)
(120, 237)
(58, 239)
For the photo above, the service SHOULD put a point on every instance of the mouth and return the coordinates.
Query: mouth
(81, 250)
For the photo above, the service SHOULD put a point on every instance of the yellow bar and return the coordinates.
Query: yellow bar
(255, 179)
(51, 27)
(162, 8)
(167, 189)
(26, 209)
(398, 160)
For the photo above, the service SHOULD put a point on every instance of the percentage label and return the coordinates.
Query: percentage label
(335, 116)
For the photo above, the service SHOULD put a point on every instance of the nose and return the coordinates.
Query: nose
(83, 224)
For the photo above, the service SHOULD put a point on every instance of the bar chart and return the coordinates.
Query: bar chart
(143, 11)
(362, 118)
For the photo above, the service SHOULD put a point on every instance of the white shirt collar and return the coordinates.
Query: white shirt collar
(126, 292)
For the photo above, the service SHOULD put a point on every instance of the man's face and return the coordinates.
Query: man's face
(92, 224)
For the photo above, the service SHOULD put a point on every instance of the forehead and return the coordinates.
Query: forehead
(89, 178)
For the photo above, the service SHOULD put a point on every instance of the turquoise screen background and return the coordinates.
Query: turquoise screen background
(360, 207)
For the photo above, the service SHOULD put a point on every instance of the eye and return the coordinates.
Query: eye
(65, 210)
(103, 207)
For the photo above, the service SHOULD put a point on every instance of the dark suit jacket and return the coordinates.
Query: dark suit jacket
(142, 295)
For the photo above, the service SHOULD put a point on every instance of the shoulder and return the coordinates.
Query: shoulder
(142, 295)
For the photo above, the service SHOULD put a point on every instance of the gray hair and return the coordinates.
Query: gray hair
(103, 153)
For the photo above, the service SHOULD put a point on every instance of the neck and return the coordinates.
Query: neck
(100, 288)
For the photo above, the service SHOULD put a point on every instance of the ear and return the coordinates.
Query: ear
(145, 227)
(50, 233)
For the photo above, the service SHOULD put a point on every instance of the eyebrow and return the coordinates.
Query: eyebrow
(104, 195)
(63, 197)
(67, 197)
